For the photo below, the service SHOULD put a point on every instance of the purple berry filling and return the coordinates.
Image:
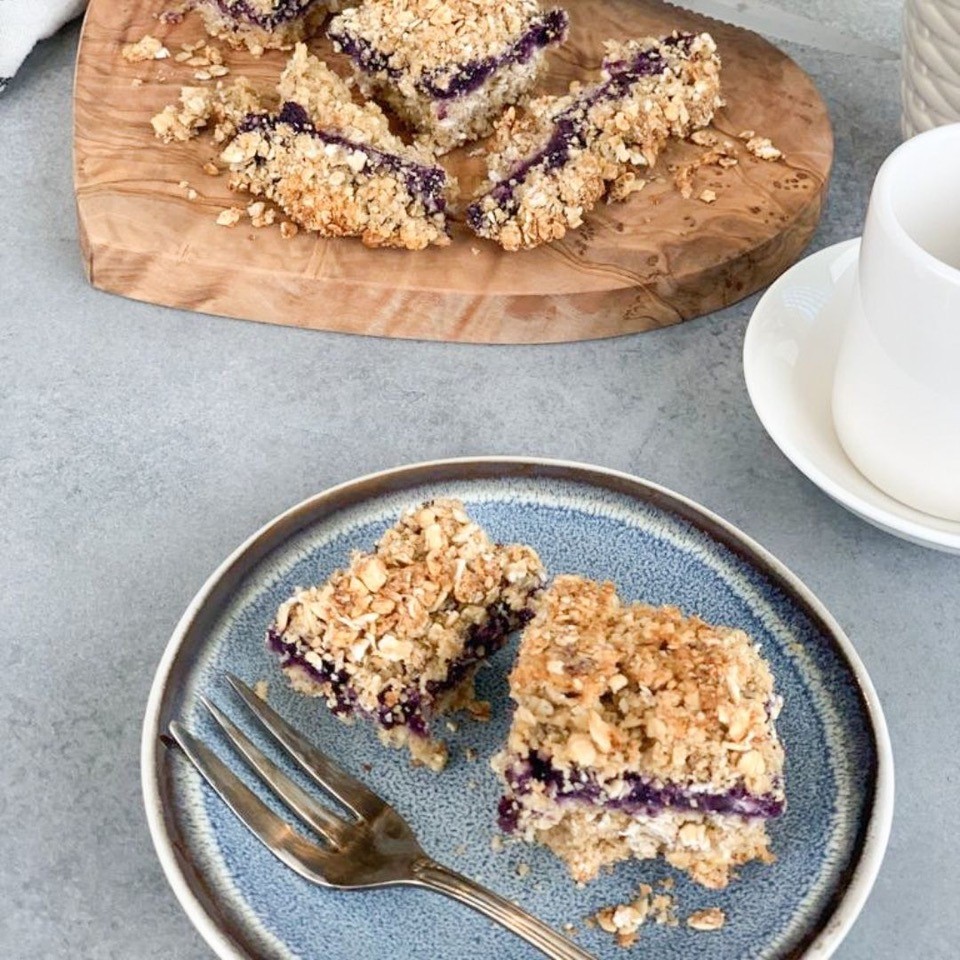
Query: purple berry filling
(415, 707)
(285, 11)
(569, 130)
(465, 78)
(422, 182)
(644, 798)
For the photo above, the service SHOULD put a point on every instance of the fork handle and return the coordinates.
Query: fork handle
(434, 876)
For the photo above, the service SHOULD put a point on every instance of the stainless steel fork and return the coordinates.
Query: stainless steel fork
(375, 847)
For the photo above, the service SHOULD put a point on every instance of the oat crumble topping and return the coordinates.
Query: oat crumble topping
(620, 687)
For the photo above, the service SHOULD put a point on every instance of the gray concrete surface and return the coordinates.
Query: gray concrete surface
(139, 445)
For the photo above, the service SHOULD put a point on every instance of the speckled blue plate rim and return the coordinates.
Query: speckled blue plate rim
(200, 903)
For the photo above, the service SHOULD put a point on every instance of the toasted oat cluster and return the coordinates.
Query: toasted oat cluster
(624, 920)
(335, 168)
(551, 163)
(261, 24)
(448, 67)
(639, 732)
(225, 105)
(398, 635)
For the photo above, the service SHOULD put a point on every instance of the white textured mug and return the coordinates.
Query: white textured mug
(896, 392)
(930, 68)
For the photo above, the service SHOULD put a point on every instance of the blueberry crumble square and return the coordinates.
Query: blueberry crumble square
(549, 164)
(448, 68)
(398, 635)
(334, 167)
(262, 24)
(639, 732)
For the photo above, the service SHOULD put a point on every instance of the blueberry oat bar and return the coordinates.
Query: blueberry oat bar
(398, 635)
(447, 67)
(550, 164)
(334, 167)
(261, 24)
(639, 732)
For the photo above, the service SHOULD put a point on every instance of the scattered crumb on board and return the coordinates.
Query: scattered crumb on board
(146, 48)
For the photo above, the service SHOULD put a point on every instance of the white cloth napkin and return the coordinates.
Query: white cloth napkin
(23, 23)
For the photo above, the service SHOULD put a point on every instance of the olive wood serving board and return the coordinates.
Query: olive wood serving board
(651, 261)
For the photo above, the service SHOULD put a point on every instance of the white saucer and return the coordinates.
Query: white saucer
(789, 355)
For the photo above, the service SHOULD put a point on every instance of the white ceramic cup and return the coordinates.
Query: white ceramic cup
(896, 392)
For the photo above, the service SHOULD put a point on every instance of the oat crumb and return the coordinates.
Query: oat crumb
(475, 251)
(624, 920)
(146, 48)
(136, 82)
(229, 217)
(746, 135)
(470, 754)
(261, 688)
(523, 869)
(763, 148)
(712, 918)
(288, 229)
(452, 726)
(192, 194)
(704, 138)
(211, 169)
(496, 843)
(708, 196)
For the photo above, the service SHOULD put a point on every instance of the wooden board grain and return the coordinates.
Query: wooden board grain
(651, 261)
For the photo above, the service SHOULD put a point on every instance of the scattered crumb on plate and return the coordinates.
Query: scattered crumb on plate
(624, 920)
(710, 918)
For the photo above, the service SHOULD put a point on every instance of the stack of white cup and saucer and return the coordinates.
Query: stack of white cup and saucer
(852, 357)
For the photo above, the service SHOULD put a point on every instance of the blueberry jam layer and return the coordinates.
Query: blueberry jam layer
(415, 706)
(570, 126)
(424, 183)
(284, 12)
(643, 797)
(467, 77)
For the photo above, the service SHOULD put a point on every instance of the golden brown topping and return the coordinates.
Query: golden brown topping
(626, 688)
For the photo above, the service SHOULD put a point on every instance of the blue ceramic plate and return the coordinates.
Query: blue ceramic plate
(655, 546)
